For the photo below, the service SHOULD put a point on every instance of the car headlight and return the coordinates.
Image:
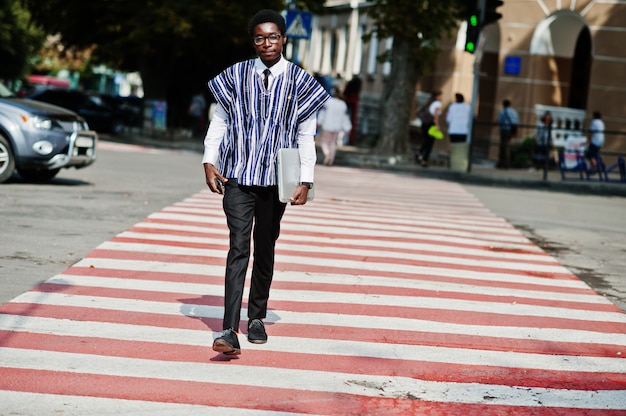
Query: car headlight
(45, 123)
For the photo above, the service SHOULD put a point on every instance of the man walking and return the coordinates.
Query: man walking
(263, 104)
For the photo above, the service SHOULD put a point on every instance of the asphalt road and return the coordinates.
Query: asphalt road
(587, 234)
(49, 227)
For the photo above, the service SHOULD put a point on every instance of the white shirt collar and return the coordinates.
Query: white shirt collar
(276, 69)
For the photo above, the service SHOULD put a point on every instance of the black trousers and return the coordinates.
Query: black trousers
(504, 155)
(250, 210)
(428, 142)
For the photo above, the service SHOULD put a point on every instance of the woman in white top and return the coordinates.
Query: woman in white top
(595, 139)
(332, 119)
(458, 118)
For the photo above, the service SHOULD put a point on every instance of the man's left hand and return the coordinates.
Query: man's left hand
(300, 195)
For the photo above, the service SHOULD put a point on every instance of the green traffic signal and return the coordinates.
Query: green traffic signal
(472, 33)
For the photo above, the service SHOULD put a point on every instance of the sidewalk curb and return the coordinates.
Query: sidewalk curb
(363, 158)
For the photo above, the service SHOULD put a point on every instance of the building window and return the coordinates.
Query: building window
(372, 55)
(387, 64)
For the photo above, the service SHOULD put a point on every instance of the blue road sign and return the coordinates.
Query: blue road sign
(298, 24)
(512, 65)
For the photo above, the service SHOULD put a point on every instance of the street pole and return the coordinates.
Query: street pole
(478, 55)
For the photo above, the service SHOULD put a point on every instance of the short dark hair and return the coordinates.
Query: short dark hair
(267, 16)
(596, 114)
(506, 103)
(459, 98)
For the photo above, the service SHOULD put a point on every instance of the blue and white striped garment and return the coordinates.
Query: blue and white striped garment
(262, 121)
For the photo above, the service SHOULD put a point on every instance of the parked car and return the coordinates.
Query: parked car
(39, 139)
(100, 116)
(131, 106)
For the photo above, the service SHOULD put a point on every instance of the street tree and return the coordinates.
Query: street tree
(19, 40)
(175, 45)
(416, 27)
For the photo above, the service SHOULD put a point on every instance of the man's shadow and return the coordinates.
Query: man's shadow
(210, 311)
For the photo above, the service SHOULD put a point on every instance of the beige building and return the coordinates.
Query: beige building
(564, 54)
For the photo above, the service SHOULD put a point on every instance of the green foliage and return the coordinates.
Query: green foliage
(164, 39)
(420, 23)
(521, 153)
(416, 27)
(18, 39)
(315, 6)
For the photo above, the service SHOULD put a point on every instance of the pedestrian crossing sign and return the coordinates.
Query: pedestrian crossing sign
(298, 24)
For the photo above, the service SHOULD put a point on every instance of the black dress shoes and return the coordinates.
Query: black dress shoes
(228, 343)
(256, 332)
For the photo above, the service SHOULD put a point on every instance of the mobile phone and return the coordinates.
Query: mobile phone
(220, 185)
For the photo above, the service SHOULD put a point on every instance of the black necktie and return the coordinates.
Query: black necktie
(266, 80)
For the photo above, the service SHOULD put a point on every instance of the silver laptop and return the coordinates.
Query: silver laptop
(288, 171)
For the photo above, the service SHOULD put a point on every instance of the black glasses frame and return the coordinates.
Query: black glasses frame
(260, 39)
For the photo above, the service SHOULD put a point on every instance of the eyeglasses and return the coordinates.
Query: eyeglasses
(260, 39)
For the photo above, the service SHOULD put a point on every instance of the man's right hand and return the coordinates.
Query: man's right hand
(214, 179)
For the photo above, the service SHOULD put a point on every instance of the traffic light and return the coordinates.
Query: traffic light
(473, 32)
(491, 12)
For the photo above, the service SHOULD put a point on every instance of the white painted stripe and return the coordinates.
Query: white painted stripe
(361, 228)
(10, 322)
(390, 282)
(352, 264)
(307, 380)
(372, 299)
(319, 244)
(387, 217)
(200, 269)
(20, 403)
(468, 215)
(523, 245)
(476, 217)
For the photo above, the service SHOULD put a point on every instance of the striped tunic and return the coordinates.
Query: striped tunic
(262, 121)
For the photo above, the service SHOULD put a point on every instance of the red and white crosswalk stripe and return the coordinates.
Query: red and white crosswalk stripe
(392, 295)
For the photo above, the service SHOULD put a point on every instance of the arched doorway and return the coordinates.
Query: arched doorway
(581, 70)
(561, 54)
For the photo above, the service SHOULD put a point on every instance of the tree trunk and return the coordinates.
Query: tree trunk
(398, 101)
(155, 76)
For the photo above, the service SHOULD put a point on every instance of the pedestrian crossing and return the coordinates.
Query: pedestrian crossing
(392, 295)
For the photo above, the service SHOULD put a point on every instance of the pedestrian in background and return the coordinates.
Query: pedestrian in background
(252, 120)
(429, 115)
(543, 141)
(196, 113)
(351, 94)
(508, 121)
(458, 119)
(595, 140)
(332, 120)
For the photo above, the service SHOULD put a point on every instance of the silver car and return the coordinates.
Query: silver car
(37, 139)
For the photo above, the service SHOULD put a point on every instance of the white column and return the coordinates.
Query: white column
(341, 52)
(354, 40)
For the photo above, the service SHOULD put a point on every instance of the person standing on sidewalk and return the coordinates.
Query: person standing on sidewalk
(332, 120)
(263, 104)
(196, 113)
(595, 140)
(543, 142)
(429, 114)
(458, 118)
(508, 120)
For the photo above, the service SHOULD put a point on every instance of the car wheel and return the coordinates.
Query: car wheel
(7, 160)
(38, 175)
